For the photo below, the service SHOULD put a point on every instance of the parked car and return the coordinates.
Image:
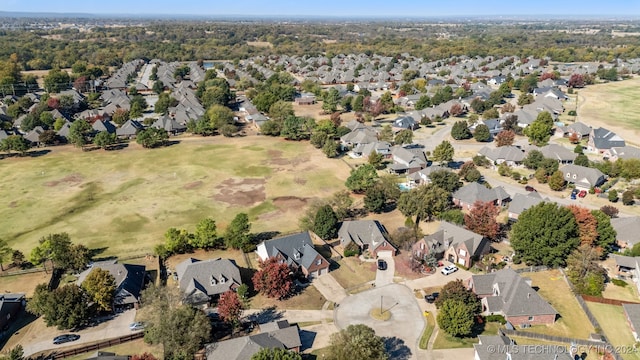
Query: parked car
(530, 188)
(582, 193)
(574, 193)
(431, 298)
(136, 326)
(61, 339)
(382, 265)
(449, 269)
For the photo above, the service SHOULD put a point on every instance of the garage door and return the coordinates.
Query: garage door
(385, 253)
(313, 274)
(322, 272)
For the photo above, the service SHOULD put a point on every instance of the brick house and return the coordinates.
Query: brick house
(504, 292)
(452, 243)
(369, 235)
(297, 251)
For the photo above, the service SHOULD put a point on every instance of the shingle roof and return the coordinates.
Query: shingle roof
(581, 175)
(506, 153)
(606, 139)
(627, 229)
(201, 279)
(474, 191)
(363, 232)
(633, 313)
(129, 279)
(449, 234)
(296, 249)
(557, 152)
(522, 202)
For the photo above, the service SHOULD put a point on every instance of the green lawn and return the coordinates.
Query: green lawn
(614, 325)
(446, 341)
(573, 322)
(125, 200)
(428, 331)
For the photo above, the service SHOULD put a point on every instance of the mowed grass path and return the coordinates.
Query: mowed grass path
(125, 200)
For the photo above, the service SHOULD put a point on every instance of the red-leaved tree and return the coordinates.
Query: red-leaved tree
(481, 219)
(573, 138)
(230, 307)
(576, 81)
(53, 103)
(273, 279)
(587, 224)
(505, 138)
(144, 356)
(455, 110)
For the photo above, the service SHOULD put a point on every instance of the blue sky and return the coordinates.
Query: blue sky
(342, 8)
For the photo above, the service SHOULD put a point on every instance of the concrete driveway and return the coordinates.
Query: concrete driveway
(401, 331)
(329, 288)
(117, 326)
(437, 279)
(385, 277)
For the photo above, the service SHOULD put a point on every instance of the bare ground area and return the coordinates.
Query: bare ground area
(241, 192)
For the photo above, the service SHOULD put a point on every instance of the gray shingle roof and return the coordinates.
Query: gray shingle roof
(556, 152)
(523, 202)
(449, 234)
(627, 229)
(606, 139)
(199, 280)
(582, 175)
(474, 191)
(129, 279)
(363, 232)
(296, 249)
(633, 313)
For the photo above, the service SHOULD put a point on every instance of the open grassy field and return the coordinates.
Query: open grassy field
(614, 325)
(573, 322)
(125, 200)
(612, 105)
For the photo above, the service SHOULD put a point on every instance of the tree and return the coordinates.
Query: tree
(505, 138)
(375, 159)
(180, 328)
(533, 159)
(59, 249)
(581, 160)
(228, 130)
(613, 195)
(445, 179)
(356, 342)
(144, 356)
(219, 116)
(280, 110)
(444, 152)
(56, 80)
(556, 181)
(545, 234)
(152, 137)
(587, 224)
(456, 318)
(386, 134)
(341, 203)
(525, 99)
(375, 199)
(165, 101)
(158, 87)
(584, 272)
(330, 148)
(576, 81)
(539, 131)
(15, 143)
(482, 133)
(273, 279)
(206, 235)
(456, 110)
(79, 133)
(326, 223)
(104, 140)
(276, 354)
(237, 235)
(361, 178)
(5, 252)
(610, 211)
(482, 219)
(331, 101)
(630, 169)
(424, 202)
(120, 116)
(491, 113)
(292, 128)
(628, 198)
(404, 137)
(460, 130)
(606, 237)
(17, 258)
(65, 307)
(456, 290)
(230, 308)
(100, 287)
(16, 353)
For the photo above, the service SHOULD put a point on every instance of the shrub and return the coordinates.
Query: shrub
(572, 113)
(516, 176)
(613, 195)
(351, 250)
(618, 282)
(495, 318)
(627, 198)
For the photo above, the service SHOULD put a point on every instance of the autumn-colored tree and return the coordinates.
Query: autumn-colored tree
(573, 138)
(456, 110)
(273, 279)
(611, 211)
(547, 75)
(505, 138)
(230, 308)
(100, 286)
(587, 224)
(576, 81)
(144, 356)
(482, 219)
(53, 102)
(508, 108)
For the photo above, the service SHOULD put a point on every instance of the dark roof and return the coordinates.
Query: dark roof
(107, 126)
(633, 313)
(627, 229)
(129, 279)
(363, 232)
(606, 139)
(474, 191)
(449, 234)
(522, 202)
(296, 249)
(199, 280)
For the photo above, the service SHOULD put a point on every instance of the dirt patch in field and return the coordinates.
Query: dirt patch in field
(299, 181)
(290, 203)
(241, 192)
(13, 204)
(193, 185)
(72, 179)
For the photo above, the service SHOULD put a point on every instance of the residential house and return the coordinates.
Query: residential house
(525, 117)
(556, 152)
(624, 153)
(467, 195)
(632, 313)
(423, 176)
(584, 178)
(297, 251)
(34, 135)
(500, 347)
(494, 125)
(369, 235)
(580, 130)
(273, 335)
(202, 282)
(627, 230)
(129, 129)
(364, 150)
(100, 126)
(407, 159)
(129, 280)
(551, 92)
(601, 139)
(10, 306)
(504, 292)
(521, 202)
(452, 243)
(357, 136)
(404, 123)
(511, 155)
(169, 124)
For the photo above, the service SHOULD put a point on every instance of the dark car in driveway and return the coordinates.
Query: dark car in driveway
(431, 298)
(65, 338)
(530, 188)
(382, 265)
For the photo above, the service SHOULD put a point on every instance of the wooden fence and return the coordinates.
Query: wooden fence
(607, 301)
(88, 348)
